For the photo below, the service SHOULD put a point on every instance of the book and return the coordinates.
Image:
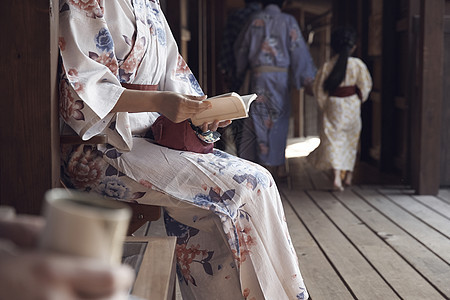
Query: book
(230, 106)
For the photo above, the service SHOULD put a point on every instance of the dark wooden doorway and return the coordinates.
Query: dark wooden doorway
(445, 141)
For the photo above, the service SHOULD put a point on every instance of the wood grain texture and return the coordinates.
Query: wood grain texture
(29, 156)
(426, 177)
(429, 237)
(362, 280)
(156, 277)
(369, 205)
(314, 265)
(403, 279)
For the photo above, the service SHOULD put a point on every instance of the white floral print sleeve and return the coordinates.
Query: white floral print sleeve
(232, 237)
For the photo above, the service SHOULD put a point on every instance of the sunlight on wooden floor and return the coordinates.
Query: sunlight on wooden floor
(299, 147)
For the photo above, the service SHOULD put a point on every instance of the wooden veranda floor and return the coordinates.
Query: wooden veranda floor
(375, 240)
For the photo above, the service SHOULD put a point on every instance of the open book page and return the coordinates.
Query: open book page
(228, 106)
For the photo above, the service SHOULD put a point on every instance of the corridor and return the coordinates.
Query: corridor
(372, 241)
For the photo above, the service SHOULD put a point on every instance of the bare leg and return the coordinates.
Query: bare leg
(348, 178)
(337, 183)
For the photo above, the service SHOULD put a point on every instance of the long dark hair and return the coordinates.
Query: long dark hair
(277, 2)
(342, 41)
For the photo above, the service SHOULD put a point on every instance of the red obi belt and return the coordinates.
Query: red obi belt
(346, 91)
(141, 87)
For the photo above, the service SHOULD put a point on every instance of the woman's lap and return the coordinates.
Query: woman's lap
(208, 194)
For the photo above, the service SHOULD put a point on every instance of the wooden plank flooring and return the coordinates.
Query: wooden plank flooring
(375, 240)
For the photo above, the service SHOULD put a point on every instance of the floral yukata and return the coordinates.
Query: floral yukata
(272, 47)
(341, 123)
(232, 237)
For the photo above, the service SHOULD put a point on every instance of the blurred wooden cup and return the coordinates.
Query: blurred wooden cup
(84, 224)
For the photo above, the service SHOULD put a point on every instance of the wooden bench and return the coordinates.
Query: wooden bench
(154, 259)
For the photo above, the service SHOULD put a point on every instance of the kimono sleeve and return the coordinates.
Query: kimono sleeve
(178, 77)
(302, 66)
(364, 80)
(319, 93)
(89, 86)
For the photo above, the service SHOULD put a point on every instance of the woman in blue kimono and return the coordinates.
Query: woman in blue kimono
(272, 48)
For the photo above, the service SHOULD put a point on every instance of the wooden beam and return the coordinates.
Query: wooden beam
(173, 15)
(426, 178)
(29, 156)
(445, 133)
(388, 85)
(156, 274)
(411, 92)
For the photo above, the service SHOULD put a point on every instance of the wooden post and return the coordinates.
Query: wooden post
(29, 155)
(445, 146)
(388, 86)
(297, 96)
(203, 45)
(426, 166)
(173, 12)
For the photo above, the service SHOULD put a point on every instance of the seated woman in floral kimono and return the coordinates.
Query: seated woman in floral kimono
(121, 70)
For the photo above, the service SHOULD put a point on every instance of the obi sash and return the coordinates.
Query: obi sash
(141, 87)
(346, 91)
(267, 69)
(245, 87)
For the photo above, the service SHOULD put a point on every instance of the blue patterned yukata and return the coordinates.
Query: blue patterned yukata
(232, 237)
(273, 49)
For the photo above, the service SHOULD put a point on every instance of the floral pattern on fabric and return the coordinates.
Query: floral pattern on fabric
(188, 254)
(68, 106)
(225, 212)
(129, 66)
(73, 78)
(92, 8)
(62, 43)
(86, 170)
(157, 29)
(273, 39)
(85, 167)
(222, 202)
(258, 23)
(105, 45)
(269, 48)
(245, 242)
(184, 74)
(341, 122)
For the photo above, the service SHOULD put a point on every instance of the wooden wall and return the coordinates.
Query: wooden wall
(426, 160)
(197, 26)
(320, 51)
(372, 147)
(411, 91)
(445, 146)
(403, 47)
(29, 160)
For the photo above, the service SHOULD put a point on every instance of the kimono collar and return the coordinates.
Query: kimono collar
(273, 8)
